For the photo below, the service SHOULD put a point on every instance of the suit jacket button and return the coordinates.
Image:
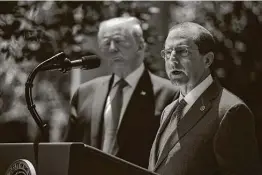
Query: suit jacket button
(202, 108)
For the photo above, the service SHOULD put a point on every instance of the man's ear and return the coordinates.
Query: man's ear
(141, 46)
(208, 59)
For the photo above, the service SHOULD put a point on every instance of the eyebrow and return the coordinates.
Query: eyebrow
(178, 46)
(114, 35)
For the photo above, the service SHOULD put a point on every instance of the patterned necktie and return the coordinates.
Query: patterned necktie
(113, 111)
(117, 102)
(179, 110)
(174, 119)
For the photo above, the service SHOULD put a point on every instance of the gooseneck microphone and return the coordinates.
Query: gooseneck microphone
(85, 62)
(57, 62)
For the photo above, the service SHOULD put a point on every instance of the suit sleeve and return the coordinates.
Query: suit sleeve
(235, 143)
(73, 131)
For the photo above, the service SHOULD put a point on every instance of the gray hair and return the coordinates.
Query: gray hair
(135, 28)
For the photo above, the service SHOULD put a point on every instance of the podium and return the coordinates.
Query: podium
(65, 159)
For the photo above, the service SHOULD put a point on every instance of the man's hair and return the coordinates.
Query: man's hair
(200, 35)
(135, 28)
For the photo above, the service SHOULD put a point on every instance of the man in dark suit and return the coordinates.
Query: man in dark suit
(120, 113)
(207, 130)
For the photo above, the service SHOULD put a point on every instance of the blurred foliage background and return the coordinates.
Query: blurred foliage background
(32, 31)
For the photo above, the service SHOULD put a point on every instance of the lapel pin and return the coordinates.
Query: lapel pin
(202, 108)
(143, 93)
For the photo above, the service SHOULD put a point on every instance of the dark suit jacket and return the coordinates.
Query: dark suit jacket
(216, 136)
(140, 120)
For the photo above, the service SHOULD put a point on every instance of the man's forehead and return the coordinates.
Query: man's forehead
(180, 36)
(115, 28)
(113, 32)
(175, 41)
(186, 32)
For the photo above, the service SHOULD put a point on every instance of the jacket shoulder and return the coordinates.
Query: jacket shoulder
(228, 101)
(94, 82)
(89, 86)
(161, 83)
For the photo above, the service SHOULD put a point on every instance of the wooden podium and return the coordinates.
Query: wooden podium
(63, 159)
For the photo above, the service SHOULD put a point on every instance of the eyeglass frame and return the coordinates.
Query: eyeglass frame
(163, 52)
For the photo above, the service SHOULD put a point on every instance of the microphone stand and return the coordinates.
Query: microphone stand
(61, 63)
(31, 106)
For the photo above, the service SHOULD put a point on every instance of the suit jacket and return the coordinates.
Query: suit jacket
(216, 136)
(140, 121)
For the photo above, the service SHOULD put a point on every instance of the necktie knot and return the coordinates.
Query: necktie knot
(122, 83)
(182, 104)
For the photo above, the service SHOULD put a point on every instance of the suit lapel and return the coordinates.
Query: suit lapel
(100, 97)
(161, 129)
(142, 91)
(191, 118)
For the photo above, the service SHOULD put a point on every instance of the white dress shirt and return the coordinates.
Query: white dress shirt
(108, 134)
(132, 80)
(195, 93)
(190, 98)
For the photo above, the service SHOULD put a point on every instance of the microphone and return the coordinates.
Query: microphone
(85, 62)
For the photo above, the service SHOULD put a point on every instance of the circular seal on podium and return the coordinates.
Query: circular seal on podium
(21, 167)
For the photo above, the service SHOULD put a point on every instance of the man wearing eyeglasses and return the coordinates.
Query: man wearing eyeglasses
(207, 130)
(120, 113)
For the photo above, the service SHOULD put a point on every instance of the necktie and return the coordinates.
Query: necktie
(174, 119)
(179, 109)
(117, 102)
(113, 111)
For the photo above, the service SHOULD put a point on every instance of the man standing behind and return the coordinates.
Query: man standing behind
(120, 113)
(207, 130)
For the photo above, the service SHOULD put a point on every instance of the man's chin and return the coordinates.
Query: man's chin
(117, 63)
(119, 66)
(178, 81)
(119, 69)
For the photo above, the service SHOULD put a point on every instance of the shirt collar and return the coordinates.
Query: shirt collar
(193, 95)
(133, 77)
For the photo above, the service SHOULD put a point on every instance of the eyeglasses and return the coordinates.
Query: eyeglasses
(181, 51)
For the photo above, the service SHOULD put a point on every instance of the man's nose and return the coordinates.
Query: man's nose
(112, 46)
(173, 57)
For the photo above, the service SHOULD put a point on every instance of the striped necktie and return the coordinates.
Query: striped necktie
(179, 110)
(174, 119)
